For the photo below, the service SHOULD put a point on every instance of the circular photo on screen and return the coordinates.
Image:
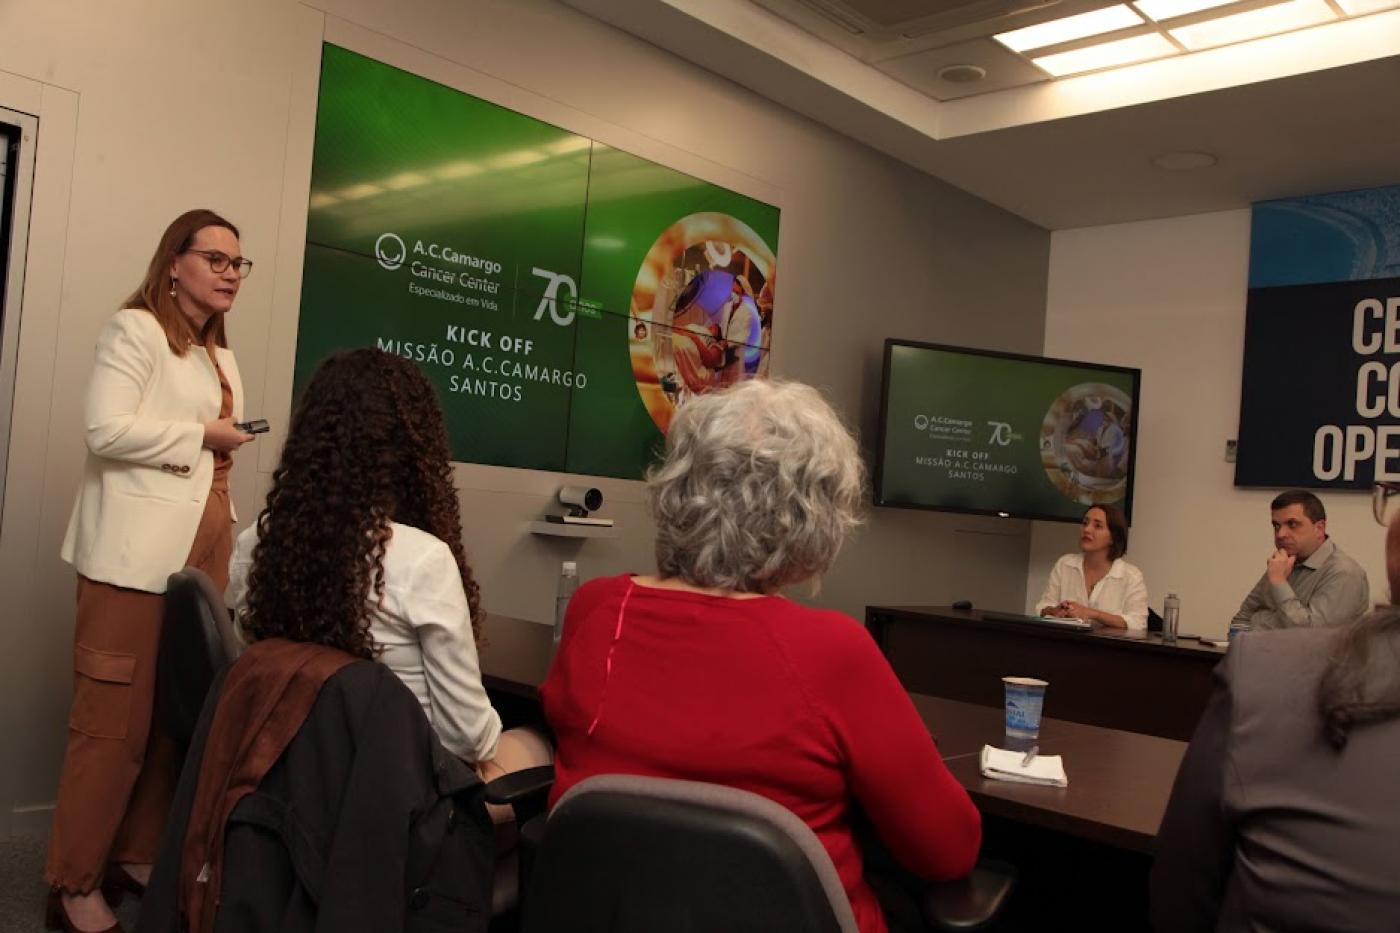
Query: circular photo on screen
(1084, 443)
(702, 311)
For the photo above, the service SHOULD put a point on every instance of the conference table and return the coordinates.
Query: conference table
(515, 655)
(1105, 677)
(1119, 780)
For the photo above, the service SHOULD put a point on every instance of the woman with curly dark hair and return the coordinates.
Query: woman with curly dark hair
(360, 548)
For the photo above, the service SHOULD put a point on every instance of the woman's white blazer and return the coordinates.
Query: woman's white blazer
(147, 473)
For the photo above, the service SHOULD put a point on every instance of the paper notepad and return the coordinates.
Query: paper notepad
(1002, 765)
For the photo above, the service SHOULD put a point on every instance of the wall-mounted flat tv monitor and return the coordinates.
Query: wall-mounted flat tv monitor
(964, 430)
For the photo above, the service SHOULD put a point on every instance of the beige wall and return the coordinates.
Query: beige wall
(1169, 296)
(154, 107)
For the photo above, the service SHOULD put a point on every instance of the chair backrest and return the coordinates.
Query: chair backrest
(629, 854)
(196, 642)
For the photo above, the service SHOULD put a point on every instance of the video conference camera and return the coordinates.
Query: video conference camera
(581, 499)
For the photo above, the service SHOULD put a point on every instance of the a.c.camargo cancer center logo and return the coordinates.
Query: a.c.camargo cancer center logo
(390, 250)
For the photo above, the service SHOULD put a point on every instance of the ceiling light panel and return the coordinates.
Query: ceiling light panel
(1255, 24)
(1107, 55)
(1362, 7)
(1170, 9)
(1093, 23)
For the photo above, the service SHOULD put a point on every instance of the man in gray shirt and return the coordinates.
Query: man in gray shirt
(1309, 581)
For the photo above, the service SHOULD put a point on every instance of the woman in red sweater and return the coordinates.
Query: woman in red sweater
(704, 672)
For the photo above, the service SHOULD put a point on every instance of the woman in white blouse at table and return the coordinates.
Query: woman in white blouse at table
(1097, 584)
(360, 548)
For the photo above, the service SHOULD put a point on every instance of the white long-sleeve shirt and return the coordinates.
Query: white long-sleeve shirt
(1122, 591)
(424, 627)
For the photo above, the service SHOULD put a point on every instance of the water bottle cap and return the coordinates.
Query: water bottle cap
(1171, 594)
(569, 567)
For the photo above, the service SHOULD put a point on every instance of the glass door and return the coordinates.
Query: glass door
(18, 132)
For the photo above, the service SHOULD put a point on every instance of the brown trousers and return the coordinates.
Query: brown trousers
(115, 790)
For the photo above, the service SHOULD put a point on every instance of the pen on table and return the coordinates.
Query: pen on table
(1030, 756)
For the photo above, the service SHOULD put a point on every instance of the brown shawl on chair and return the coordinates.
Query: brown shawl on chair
(266, 697)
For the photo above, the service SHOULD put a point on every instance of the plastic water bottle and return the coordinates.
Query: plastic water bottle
(568, 582)
(1171, 618)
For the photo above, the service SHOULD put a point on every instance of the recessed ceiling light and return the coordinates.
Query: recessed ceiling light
(458, 170)
(1255, 24)
(1108, 55)
(965, 74)
(1184, 161)
(406, 180)
(362, 190)
(1362, 7)
(1167, 9)
(517, 158)
(1069, 28)
(576, 143)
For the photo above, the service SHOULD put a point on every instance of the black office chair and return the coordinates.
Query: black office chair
(526, 792)
(1154, 622)
(197, 641)
(629, 854)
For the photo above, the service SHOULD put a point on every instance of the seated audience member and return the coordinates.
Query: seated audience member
(1309, 581)
(1097, 584)
(1286, 811)
(704, 672)
(363, 523)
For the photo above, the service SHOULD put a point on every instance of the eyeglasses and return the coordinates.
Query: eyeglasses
(1385, 502)
(219, 262)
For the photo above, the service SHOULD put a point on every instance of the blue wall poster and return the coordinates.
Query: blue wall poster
(1320, 396)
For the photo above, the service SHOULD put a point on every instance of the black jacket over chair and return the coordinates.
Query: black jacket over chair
(365, 824)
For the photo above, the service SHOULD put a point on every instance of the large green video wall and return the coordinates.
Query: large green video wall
(566, 297)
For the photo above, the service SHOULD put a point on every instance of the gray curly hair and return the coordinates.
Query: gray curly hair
(758, 488)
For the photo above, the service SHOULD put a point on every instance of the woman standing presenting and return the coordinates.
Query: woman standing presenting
(159, 416)
(1097, 584)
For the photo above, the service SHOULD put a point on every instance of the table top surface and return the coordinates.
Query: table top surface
(1101, 635)
(515, 654)
(1119, 782)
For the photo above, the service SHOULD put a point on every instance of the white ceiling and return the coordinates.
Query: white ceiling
(1309, 112)
(912, 40)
